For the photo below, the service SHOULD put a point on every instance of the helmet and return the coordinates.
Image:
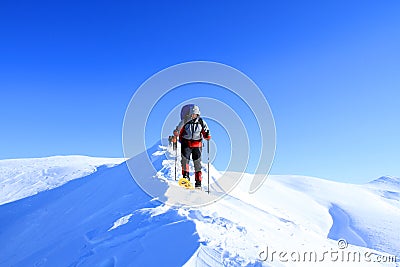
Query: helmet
(195, 110)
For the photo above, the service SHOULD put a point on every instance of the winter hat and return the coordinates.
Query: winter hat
(195, 110)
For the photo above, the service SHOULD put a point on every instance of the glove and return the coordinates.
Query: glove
(207, 136)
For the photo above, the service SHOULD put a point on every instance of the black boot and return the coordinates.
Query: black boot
(198, 179)
(186, 175)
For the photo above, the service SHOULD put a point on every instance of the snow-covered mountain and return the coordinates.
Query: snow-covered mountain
(105, 219)
(20, 178)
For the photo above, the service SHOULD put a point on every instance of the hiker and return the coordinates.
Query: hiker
(172, 139)
(190, 136)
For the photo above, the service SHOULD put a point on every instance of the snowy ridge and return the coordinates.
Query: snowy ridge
(387, 183)
(105, 219)
(311, 212)
(21, 178)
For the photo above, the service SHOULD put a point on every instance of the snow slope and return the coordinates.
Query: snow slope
(105, 219)
(20, 178)
(295, 213)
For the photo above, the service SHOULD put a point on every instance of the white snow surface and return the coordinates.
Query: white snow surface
(21, 178)
(117, 225)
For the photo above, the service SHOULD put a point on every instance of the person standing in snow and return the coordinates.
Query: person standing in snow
(173, 139)
(190, 136)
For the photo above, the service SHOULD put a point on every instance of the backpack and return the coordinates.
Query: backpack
(185, 112)
(200, 122)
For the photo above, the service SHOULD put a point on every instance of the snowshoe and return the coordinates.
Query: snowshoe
(184, 182)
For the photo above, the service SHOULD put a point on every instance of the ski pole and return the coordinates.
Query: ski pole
(208, 166)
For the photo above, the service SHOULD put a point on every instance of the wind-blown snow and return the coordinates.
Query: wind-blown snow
(105, 219)
(121, 221)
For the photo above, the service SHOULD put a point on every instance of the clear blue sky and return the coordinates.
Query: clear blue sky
(329, 70)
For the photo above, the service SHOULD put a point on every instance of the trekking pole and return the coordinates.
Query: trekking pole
(176, 155)
(208, 166)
